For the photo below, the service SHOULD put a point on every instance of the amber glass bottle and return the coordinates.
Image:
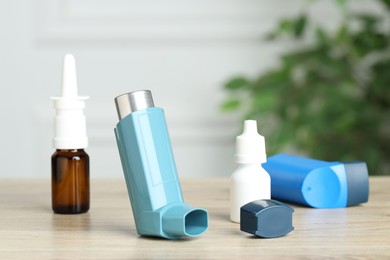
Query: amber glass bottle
(70, 181)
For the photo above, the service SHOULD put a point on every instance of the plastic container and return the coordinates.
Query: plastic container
(249, 181)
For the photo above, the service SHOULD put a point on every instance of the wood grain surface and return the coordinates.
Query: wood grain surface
(29, 229)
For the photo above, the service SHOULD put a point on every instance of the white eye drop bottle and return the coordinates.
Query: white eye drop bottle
(249, 182)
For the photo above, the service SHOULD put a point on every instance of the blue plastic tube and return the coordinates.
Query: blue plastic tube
(316, 183)
(150, 171)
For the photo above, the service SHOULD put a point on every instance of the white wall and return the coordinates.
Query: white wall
(182, 50)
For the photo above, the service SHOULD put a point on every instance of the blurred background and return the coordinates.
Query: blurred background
(315, 74)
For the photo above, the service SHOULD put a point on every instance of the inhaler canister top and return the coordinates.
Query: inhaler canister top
(133, 101)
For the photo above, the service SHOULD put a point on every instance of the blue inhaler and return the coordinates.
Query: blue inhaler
(150, 171)
(317, 184)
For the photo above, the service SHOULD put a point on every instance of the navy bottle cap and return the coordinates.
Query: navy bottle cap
(266, 218)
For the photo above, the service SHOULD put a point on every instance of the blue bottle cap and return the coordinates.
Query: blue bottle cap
(266, 218)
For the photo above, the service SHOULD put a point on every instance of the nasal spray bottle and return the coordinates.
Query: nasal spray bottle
(150, 171)
(70, 163)
(250, 181)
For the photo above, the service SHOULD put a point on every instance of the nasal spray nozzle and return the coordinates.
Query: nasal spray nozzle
(70, 123)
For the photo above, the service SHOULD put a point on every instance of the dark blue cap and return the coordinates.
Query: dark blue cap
(266, 218)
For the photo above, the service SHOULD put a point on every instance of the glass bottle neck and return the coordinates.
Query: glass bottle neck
(70, 150)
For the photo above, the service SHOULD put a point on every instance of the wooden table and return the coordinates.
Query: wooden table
(29, 229)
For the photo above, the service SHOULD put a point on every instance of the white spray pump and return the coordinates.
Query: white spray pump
(249, 181)
(70, 123)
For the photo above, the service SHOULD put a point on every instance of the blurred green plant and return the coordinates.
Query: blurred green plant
(329, 97)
